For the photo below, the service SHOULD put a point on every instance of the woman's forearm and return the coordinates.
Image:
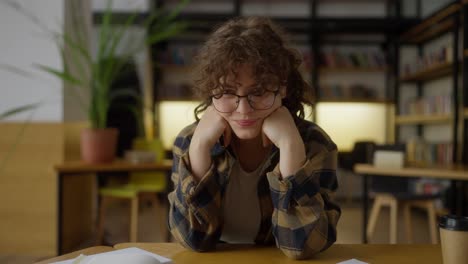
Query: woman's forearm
(292, 156)
(200, 159)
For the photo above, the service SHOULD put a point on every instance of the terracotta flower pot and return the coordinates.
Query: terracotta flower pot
(99, 145)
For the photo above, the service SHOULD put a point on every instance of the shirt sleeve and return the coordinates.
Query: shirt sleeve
(195, 215)
(304, 217)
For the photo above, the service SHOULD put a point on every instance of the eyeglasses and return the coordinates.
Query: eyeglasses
(227, 102)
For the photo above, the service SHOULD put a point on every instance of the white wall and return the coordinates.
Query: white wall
(23, 44)
(121, 5)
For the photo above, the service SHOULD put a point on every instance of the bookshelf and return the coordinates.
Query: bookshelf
(431, 73)
(355, 100)
(423, 119)
(426, 79)
(329, 70)
(435, 25)
(313, 26)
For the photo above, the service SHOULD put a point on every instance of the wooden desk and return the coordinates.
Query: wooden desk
(237, 254)
(77, 168)
(454, 173)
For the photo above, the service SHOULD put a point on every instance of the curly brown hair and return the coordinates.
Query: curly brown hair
(256, 41)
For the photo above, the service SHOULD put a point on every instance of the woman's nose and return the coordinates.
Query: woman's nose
(244, 106)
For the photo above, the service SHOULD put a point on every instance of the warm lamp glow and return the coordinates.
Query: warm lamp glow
(347, 123)
(173, 117)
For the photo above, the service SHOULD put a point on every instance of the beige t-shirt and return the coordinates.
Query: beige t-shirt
(241, 206)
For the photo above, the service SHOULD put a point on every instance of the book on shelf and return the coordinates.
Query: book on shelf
(337, 91)
(349, 60)
(429, 105)
(441, 56)
(421, 152)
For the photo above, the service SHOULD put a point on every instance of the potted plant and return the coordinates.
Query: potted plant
(94, 75)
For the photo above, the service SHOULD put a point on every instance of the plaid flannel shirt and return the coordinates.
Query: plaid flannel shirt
(297, 212)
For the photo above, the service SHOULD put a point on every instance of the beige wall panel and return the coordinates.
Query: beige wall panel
(28, 187)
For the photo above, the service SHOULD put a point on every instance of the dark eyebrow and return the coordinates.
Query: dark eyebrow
(232, 86)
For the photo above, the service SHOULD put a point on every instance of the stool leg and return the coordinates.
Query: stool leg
(374, 215)
(102, 209)
(393, 221)
(134, 219)
(431, 216)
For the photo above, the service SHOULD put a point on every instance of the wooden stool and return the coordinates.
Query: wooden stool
(159, 207)
(386, 199)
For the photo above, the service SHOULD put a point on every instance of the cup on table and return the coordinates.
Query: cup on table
(454, 239)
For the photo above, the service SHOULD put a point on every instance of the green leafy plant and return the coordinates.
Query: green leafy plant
(18, 110)
(94, 75)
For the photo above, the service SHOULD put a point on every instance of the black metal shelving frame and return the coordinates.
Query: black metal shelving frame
(429, 27)
(314, 27)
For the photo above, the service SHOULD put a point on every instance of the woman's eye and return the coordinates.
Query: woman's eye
(257, 93)
(229, 92)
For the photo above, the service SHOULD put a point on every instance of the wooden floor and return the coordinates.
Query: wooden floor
(349, 228)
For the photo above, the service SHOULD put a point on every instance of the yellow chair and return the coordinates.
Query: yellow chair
(140, 185)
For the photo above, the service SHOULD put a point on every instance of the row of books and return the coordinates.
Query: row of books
(177, 55)
(356, 59)
(335, 91)
(183, 55)
(439, 56)
(421, 152)
(440, 104)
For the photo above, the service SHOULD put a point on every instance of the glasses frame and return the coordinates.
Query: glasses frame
(239, 97)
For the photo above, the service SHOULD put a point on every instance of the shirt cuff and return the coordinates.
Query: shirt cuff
(295, 189)
(198, 194)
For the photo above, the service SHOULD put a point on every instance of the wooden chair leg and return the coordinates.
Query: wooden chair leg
(393, 221)
(431, 216)
(374, 215)
(100, 229)
(408, 222)
(134, 219)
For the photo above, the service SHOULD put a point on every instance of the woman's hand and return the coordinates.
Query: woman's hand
(280, 129)
(210, 128)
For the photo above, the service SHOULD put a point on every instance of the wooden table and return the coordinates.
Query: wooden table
(77, 168)
(456, 173)
(237, 254)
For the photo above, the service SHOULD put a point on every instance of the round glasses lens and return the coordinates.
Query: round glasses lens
(262, 101)
(225, 103)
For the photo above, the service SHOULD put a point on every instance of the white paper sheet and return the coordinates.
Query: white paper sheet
(127, 253)
(353, 261)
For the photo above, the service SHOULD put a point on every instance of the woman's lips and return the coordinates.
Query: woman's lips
(246, 123)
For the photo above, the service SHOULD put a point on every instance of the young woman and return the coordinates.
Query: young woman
(251, 169)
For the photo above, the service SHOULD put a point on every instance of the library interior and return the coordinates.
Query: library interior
(89, 160)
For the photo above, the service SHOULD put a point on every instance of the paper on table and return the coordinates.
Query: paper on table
(352, 261)
(126, 255)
